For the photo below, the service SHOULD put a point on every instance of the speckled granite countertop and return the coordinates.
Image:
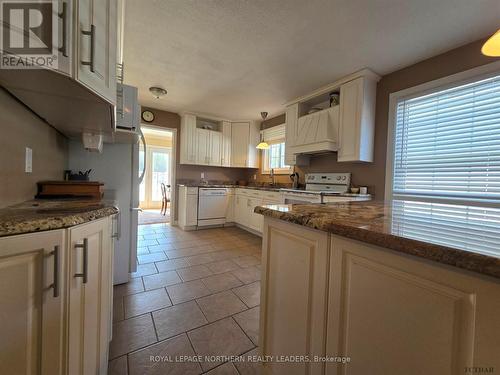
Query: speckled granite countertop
(266, 188)
(273, 188)
(41, 214)
(462, 236)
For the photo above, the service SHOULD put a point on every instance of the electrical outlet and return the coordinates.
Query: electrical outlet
(202, 175)
(28, 167)
(254, 176)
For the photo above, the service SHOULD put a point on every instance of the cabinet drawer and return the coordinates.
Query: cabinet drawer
(192, 191)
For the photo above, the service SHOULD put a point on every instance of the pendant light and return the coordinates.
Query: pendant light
(263, 144)
(492, 46)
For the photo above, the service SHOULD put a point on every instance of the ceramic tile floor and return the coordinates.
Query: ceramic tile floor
(194, 293)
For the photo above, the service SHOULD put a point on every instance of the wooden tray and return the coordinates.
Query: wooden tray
(64, 189)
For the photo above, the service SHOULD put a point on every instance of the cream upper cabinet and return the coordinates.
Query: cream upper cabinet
(313, 126)
(240, 138)
(96, 46)
(90, 255)
(65, 37)
(32, 285)
(188, 147)
(202, 146)
(421, 318)
(221, 143)
(215, 154)
(357, 120)
(226, 144)
(293, 297)
(253, 141)
(292, 114)
(209, 147)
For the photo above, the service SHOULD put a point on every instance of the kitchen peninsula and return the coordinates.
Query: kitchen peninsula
(366, 280)
(56, 286)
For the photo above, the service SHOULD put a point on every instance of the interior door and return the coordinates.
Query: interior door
(158, 167)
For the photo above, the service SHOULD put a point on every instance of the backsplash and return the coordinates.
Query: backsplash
(20, 129)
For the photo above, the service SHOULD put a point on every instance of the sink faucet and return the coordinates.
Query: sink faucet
(272, 176)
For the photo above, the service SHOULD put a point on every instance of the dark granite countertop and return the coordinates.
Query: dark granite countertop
(43, 214)
(462, 236)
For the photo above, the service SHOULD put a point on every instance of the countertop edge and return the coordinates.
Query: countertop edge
(463, 259)
(56, 222)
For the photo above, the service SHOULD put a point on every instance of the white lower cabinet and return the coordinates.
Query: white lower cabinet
(188, 207)
(245, 202)
(90, 258)
(393, 314)
(231, 202)
(32, 304)
(293, 296)
(387, 312)
(56, 300)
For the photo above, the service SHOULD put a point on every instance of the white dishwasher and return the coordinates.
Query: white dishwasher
(212, 206)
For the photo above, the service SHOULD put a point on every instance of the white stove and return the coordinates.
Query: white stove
(323, 188)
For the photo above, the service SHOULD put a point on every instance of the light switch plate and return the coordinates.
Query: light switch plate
(28, 168)
(202, 175)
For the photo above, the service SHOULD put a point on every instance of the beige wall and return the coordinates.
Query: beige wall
(20, 128)
(373, 174)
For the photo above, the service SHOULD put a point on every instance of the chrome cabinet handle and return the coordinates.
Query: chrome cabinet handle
(118, 233)
(85, 247)
(55, 280)
(91, 33)
(64, 17)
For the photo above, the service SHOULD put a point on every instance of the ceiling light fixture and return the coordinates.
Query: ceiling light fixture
(157, 92)
(492, 46)
(263, 145)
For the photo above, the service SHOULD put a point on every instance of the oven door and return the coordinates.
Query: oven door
(301, 198)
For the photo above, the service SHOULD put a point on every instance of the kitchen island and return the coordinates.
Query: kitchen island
(400, 287)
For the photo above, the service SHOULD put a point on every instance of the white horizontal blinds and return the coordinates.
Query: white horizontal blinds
(276, 134)
(447, 144)
(465, 227)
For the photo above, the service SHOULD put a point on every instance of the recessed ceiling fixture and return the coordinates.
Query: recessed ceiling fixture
(263, 145)
(492, 45)
(157, 92)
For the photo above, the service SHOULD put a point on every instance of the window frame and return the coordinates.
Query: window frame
(467, 76)
(265, 162)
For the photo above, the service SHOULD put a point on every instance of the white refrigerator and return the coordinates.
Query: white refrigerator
(118, 168)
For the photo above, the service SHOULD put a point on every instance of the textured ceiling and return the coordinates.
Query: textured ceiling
(236, 58)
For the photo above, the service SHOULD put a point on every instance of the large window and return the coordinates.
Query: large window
(447, 143)
(274, 157)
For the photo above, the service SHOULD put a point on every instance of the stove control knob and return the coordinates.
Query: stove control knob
(338, 178)
(343, 178)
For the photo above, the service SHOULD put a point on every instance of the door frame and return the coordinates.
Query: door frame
(173, 167)
(148, 202)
